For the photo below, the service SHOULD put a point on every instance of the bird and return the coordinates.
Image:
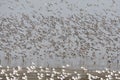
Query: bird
(19, 68)
(1, 78)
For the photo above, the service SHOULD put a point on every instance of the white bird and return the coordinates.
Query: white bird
(67, 65)
(40, 78)
(24, 77)
(2, 71)
(75, 72)
(98, 71)
(14, 71)
(89, 76)
(42, 75)
(19, 68)
(63, 66)
(8, 68)
(0, 66)
(1, 78)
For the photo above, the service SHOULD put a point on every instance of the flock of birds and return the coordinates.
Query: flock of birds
(83, 35)
(64, 73)
(80, 35)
